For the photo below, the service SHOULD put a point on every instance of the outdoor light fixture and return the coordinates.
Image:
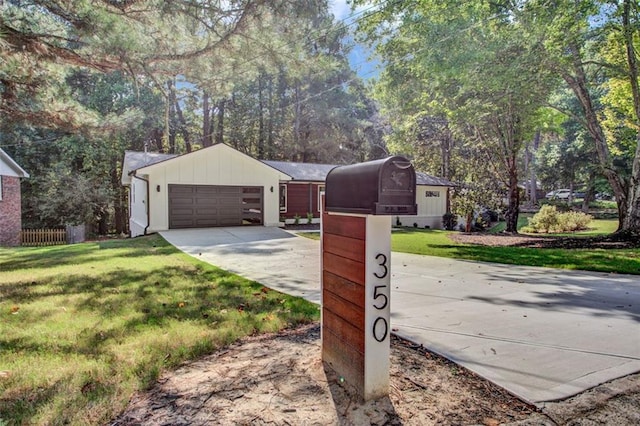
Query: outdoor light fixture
(271, 189)
(158, 188)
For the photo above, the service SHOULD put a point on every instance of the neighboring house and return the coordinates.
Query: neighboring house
(10, 200)
(214, 186)
(220, 186)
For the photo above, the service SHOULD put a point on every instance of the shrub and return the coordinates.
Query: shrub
(309, 218)
(549, 220)
(574, 221)
(449, 221)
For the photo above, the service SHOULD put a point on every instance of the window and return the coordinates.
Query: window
(429, 194)
(0, 188)
(283, 198)
(320, 194)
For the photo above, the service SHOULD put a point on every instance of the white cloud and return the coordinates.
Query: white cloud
(339, 8)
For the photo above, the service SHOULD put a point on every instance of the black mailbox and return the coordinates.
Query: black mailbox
(380, 187)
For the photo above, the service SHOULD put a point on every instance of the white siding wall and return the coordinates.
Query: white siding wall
(138, 206)
(217, 165)
(430, 208)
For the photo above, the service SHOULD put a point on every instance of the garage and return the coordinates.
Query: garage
(202, 206)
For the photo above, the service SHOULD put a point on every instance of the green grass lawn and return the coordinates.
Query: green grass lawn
(85, 326)
(438, 243)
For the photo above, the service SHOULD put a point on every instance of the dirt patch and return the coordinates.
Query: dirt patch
(280, 379)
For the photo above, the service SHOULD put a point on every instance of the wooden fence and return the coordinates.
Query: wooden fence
(43, 237)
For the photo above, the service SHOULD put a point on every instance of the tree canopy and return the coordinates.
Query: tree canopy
(80, 82)
(490, 70)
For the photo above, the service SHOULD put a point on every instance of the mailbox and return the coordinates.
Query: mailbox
(380, 187)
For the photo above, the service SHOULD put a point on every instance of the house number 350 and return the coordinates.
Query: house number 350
(380, 299)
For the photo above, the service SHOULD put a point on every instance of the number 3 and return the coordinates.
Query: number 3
(382, 263)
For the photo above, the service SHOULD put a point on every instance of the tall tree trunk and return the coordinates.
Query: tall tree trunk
(207, 136)
(182, 124)
(511, 215)
(447, 148)
(296, 123)
(631, 222)
(172, 116)
(119, 203)
(578, 84)
(220, 122)
(533, 173)
(271, 118)
(260, 119)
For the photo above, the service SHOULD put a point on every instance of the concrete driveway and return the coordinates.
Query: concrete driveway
(542, 334)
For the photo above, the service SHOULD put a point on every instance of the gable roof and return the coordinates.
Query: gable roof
(8, 167)
(133, 160)
(425, 179)
(307, 172)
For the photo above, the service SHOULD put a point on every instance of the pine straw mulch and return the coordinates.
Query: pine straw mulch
(613, 241)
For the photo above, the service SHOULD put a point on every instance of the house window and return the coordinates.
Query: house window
(429, 194)
(283, 198)
(320, 194)
(0, 188)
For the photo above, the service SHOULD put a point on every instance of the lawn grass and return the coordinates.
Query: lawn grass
(438, 243)
(431, 242)
(85, 326)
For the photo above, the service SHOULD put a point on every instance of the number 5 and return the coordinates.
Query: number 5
(377, 295)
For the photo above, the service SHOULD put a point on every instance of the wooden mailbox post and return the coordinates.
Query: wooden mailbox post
(356, 249)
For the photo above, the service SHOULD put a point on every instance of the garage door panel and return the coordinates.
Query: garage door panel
(182, 200)
(199, 206)
(181, 189)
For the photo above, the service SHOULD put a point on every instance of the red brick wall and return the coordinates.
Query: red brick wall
(10, 212)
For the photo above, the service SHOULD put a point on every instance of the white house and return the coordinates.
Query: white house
(220, 186)
(214, 186)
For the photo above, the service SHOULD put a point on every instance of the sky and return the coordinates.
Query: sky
(358, 58)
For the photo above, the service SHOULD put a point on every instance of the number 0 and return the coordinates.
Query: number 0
(384, 329)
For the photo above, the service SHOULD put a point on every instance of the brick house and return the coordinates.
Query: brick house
(10, 200)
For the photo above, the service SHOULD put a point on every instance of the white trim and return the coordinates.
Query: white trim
(377, 310)
(321, 191)
(12, 168)
(282, 186)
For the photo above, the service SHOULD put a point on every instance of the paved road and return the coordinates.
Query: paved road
(542, 334)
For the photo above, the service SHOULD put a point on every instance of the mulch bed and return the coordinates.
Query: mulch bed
(614, 241)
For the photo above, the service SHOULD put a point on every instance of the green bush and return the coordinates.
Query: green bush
(449, 221)
(550, 220)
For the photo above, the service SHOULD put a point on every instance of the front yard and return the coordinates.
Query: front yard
(493, 249)
(85, 326)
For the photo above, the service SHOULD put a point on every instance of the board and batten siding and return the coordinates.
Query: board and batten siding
(432, 204)
(215, 165)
